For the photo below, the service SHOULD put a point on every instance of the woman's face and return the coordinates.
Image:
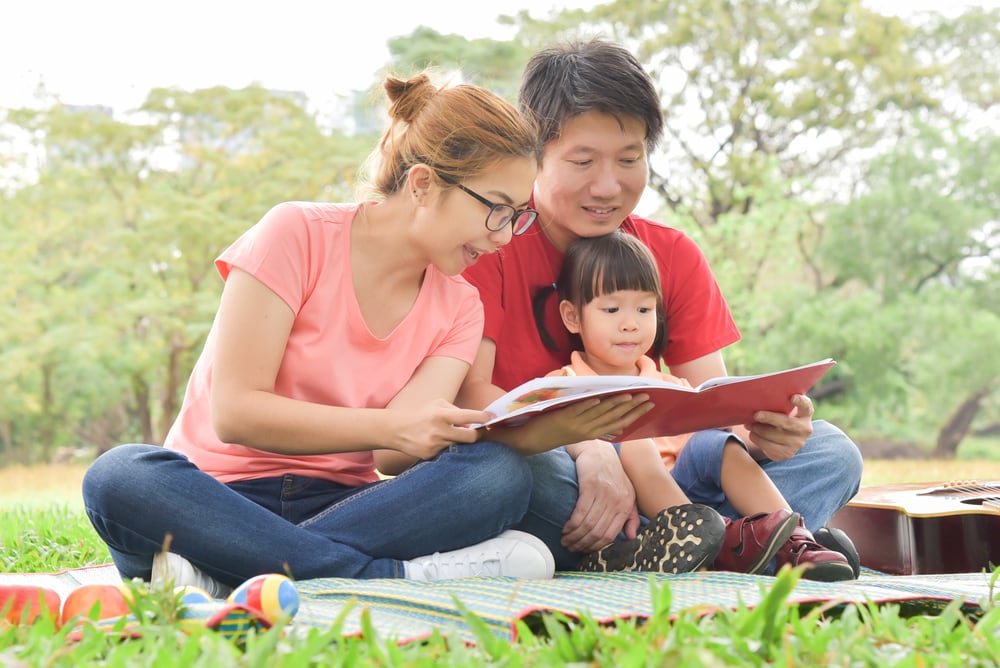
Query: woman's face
(591, 176)
(456, 235)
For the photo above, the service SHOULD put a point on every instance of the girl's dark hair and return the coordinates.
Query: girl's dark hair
(595, 266)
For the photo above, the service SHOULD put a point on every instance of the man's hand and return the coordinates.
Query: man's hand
(606, 504)
(778, 436)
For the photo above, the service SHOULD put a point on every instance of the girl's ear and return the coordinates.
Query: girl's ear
(570, 316)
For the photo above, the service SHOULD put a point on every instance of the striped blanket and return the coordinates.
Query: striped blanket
(404, 610)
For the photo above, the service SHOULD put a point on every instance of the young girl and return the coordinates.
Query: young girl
(343, 334)
(611, 303)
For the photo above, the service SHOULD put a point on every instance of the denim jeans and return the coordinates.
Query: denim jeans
(135, 495)
(819, 480)
(816, 482)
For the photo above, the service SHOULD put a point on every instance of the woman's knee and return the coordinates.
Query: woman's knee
(122, 472)
(500, 475)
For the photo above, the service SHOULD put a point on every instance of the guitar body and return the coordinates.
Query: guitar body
(923, 528)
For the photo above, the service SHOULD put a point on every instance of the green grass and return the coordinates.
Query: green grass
(776, 632)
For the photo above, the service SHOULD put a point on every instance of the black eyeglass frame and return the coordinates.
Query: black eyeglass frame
(494, 206)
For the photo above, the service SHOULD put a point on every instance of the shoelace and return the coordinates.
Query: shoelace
(440, 567)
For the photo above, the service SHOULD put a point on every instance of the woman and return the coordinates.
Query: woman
(342, 337)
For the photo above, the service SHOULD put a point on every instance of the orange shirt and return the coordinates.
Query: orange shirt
(301, 251)
(669, 446)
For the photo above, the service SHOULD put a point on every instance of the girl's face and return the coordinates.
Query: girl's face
(591, 177)
(455, 235)
(617, 329)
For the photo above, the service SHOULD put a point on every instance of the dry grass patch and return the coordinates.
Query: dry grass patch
(34, 485)
(887, 471)
(60, 483)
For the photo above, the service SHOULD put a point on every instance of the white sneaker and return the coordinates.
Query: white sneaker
(173, 570)
(514, 553)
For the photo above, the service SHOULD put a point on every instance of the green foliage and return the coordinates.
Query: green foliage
(47, 539)
(491, 63)
(840, 168)
(112, 248)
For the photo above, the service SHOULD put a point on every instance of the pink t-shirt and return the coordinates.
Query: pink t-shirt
(301, 251)
(668, 446)
(698, 319)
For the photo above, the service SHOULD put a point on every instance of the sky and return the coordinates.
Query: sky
(113, 52)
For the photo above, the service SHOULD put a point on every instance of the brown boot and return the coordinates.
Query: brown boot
(752, 541)
(819, 562)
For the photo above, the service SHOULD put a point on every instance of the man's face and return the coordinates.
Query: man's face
(591, 176)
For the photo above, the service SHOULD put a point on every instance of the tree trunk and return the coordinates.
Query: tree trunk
(168, 404)
(140, 411)
(957, 427)
(47, 430)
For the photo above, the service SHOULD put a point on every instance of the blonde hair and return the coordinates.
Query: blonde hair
(459, 131)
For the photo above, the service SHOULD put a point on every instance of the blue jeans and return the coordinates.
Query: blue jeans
(819, 480)
(136, 495)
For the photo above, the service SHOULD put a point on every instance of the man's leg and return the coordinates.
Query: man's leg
(553, 499)
(822, 477)
(819, 480)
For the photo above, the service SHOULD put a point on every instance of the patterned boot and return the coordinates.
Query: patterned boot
(679, 540)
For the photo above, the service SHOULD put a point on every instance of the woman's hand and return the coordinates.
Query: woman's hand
(778, 436)
(424, 431)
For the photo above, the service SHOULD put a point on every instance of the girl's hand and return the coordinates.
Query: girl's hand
(424, 431)
(599, 418)
(779, 436)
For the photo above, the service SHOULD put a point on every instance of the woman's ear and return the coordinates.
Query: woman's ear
(419, 180)
(570, 316)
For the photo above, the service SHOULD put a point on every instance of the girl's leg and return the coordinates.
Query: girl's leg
(745, 484)
(698, 470)
(822, 477)
(136, 495)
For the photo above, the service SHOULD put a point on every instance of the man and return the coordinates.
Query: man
(599, 118)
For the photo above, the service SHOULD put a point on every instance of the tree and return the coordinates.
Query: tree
(113, 246)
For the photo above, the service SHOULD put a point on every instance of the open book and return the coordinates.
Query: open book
(716, 403)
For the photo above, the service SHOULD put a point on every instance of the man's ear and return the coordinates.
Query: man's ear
(570, 316)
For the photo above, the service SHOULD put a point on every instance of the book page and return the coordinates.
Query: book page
(543, 392)
(726, 380)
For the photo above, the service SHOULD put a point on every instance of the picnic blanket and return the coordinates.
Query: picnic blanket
(405, 610)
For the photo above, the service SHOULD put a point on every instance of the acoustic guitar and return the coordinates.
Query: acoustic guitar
(923, 528)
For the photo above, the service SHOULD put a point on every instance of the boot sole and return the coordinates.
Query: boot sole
(828, 572)
(835, 539)
(679, 540)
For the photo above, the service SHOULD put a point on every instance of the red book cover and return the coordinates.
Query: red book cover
(716, 403)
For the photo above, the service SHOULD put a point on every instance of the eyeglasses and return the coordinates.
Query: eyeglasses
(502, 214)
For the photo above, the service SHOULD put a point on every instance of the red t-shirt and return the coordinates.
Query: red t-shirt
(698, 319)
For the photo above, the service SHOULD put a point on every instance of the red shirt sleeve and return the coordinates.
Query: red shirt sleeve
(698, 318)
